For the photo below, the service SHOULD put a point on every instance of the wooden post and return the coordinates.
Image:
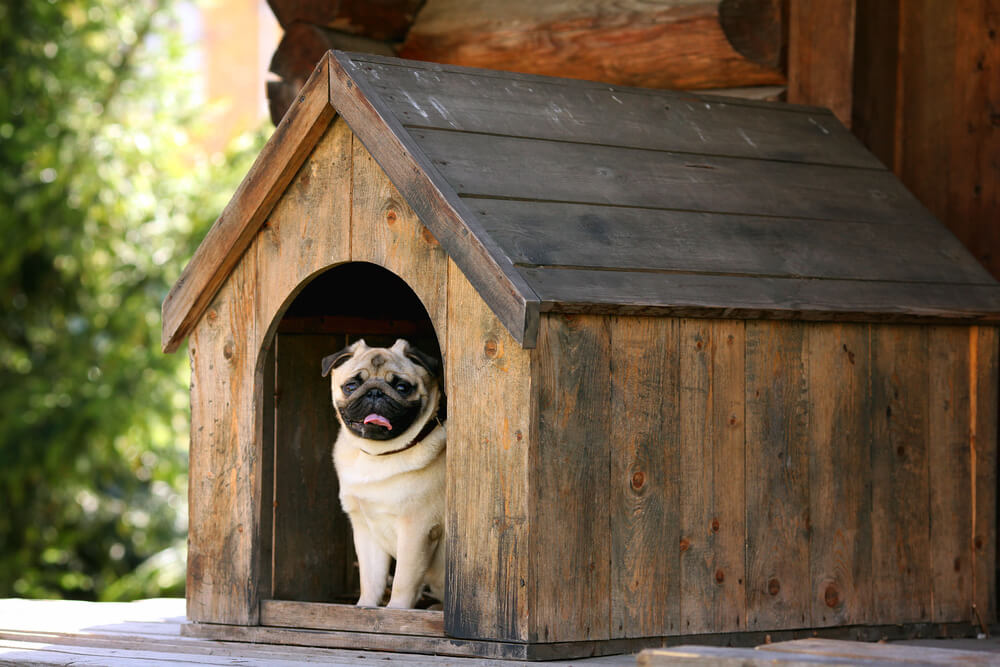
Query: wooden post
(821, 54)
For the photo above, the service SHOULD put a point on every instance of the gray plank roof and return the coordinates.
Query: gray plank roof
(557, 195)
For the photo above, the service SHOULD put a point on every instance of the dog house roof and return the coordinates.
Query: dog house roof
(573, 196)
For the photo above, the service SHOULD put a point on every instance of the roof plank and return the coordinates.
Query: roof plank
(588, 236)
(483, 165)
(476, 101)
(750, 297)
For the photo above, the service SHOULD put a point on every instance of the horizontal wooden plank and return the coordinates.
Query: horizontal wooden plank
(556, 234)
(484, 165)
(879, 651)
(323, 616)
(239, 222)
(474, 101)
(688, 295)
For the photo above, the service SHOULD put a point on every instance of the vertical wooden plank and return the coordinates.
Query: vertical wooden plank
(901, 582)
(224, 465)
(386, 231)
(266, 439)
(840, 545)
(313, 548)
(712, 508)
(950, 474)
(645, 565)
(570, 536)
(876, 93)
(488, 384)
(821, 54)
(777, 483)
(983, 370)
(309, 228)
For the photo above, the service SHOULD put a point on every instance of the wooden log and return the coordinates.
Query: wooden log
(712, 476)
(488, 589)
(384, 20)
(645, 477)
(663, 45)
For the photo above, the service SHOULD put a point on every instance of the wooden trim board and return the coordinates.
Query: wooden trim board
(441, 645)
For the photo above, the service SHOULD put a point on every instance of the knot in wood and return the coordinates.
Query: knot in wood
(428, 238)
(638, 479)
(228, 350)
(390, 216)
(491, 348)
(831, 597)
(685, 544)
(774, 587)
(715, 525)
(720, 576)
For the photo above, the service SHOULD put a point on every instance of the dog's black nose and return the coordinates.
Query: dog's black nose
(374, 393)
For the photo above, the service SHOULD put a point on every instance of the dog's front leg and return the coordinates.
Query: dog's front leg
(416, 543)
(373, 564)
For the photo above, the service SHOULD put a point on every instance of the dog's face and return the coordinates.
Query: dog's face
(379, 392)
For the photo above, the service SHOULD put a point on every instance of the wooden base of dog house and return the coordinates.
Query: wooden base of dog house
(422, 631)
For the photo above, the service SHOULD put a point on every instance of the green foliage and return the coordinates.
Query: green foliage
(103, 197)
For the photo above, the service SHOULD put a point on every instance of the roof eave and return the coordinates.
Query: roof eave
(232, 233)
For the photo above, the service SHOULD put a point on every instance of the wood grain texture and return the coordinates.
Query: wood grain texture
(291, 248)
(490, 433)
(555, 234)
(777, 475)
(313, 548)
(742, 296)
(983, 380)
(570, 516)
(434, 201)
(663, 45)
(645, 448)
(265, 569)
(319, 616)
(222, 583)
(239, 222)
(821, 54)
(611, 175)
(383, 20)
(901, 548)
(386, 231)
(711, 483)
(950, 473)
(840, 474)
(473, 100)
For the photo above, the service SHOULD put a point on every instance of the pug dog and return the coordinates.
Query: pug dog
(390, 461)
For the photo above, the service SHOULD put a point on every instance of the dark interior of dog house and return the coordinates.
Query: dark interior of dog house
(308, 549)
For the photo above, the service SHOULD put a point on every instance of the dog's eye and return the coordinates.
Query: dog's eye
(403, 387)
(349, 387)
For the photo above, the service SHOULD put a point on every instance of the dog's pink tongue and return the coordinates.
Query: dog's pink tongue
(378, 419)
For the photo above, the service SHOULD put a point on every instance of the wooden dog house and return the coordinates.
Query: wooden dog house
(711, 371)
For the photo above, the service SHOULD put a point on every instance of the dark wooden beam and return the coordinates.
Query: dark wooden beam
(383, 20)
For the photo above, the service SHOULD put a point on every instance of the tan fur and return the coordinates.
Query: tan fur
(396, 501)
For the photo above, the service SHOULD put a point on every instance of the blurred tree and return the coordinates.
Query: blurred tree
(103, 195)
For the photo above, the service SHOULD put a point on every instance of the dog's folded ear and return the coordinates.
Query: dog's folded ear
(331, 361)
(432, 365)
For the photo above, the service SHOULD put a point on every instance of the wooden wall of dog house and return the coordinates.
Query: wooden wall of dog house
(489, 435)
(570, 577)
(224, 468)
(711, 482)
(386, 231)
(645, 500)
(985, 370)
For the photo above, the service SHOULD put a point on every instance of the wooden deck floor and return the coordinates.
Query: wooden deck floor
(36, 632)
